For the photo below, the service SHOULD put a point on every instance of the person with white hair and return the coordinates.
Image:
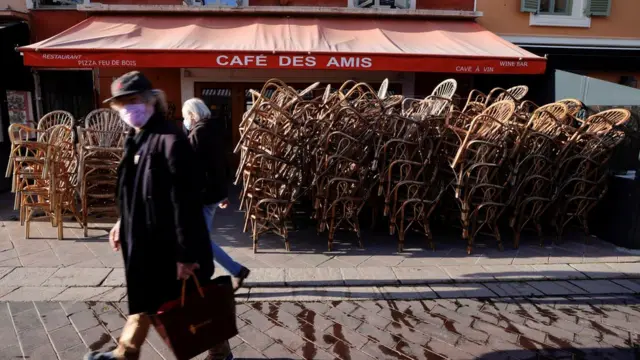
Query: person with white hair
(207, 141)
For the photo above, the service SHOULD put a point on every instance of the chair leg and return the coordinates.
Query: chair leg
(496, 232)
(27, 227)
(539, 229)
(59, 222)
(331, 233)
(357, 226)
(427, 231)
(254, 235)
(22, 207)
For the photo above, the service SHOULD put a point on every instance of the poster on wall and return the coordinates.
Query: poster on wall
(20, 107)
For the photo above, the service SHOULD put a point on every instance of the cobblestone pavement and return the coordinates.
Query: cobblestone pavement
(505, 328)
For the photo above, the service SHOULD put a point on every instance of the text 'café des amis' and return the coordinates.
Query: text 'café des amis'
(220, 58)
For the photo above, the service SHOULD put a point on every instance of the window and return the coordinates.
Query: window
(231, 3)
(55, 3)
(226, 3)
(555, 7)
(383, 4)
(560, 13)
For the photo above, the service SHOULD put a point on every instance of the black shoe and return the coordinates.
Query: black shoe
(96, 355)
(241, 277)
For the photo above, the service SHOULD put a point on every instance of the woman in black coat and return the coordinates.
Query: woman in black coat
(161, 230)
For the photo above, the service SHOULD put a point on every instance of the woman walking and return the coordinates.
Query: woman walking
(161, 230)
(207, 140)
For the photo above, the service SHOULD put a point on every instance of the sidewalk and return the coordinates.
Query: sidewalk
(509, 328)
(44, 268)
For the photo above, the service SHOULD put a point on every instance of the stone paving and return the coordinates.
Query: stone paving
(46, 261)
(504, 328)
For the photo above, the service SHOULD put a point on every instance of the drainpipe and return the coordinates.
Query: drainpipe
(475, 5)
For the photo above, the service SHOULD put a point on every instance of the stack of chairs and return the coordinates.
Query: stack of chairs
(43, 167)
(581, 167)
(495, 157)
(341, 171)
(50, 187)
(100, 150)
(532, 176)
(270, 166)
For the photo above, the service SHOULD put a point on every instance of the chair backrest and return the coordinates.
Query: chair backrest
(382, 92)
(502, 110)
(518, 93)
(546, 118)
(104, 120)
(446, 89)
(57, 117)
(573, 105)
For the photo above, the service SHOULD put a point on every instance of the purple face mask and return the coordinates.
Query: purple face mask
(135, 115)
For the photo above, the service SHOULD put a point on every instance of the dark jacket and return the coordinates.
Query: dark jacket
(208, 142)
(161, 215)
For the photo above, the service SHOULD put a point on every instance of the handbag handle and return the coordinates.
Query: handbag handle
(184, 289)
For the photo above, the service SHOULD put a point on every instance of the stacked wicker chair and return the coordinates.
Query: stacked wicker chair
(53, 192)
(270, 166)
(100, 149)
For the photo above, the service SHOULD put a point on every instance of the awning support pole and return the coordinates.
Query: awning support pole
(96, 87)
(38, 95)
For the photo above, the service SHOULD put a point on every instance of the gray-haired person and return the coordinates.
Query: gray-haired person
(207, 140)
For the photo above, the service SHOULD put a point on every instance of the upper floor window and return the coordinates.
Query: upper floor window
(55, 3)
(564, 13)
(224, 2)
(559, 7)
(383, 4)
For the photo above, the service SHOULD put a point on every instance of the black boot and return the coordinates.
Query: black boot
(240, 278)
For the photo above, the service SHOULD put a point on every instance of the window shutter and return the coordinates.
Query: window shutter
(531, 6)
(599, 8)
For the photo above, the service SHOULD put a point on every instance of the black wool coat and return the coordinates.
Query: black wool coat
(161, 219)
(208, 142)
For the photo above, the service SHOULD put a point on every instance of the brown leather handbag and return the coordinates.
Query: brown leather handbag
(200, 319)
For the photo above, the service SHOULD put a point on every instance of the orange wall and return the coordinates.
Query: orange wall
(504, 17)
(46, 23)
(167, 80)
(613, 77)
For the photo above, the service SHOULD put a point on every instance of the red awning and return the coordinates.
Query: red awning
(292, 43)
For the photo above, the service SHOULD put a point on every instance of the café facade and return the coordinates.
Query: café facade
(218, 56)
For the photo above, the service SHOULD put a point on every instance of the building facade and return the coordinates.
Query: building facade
(220, 49)
(595, 38)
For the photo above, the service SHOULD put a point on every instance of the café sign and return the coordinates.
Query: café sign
(121, 58)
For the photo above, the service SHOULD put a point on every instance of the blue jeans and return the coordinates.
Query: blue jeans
(220, 256)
